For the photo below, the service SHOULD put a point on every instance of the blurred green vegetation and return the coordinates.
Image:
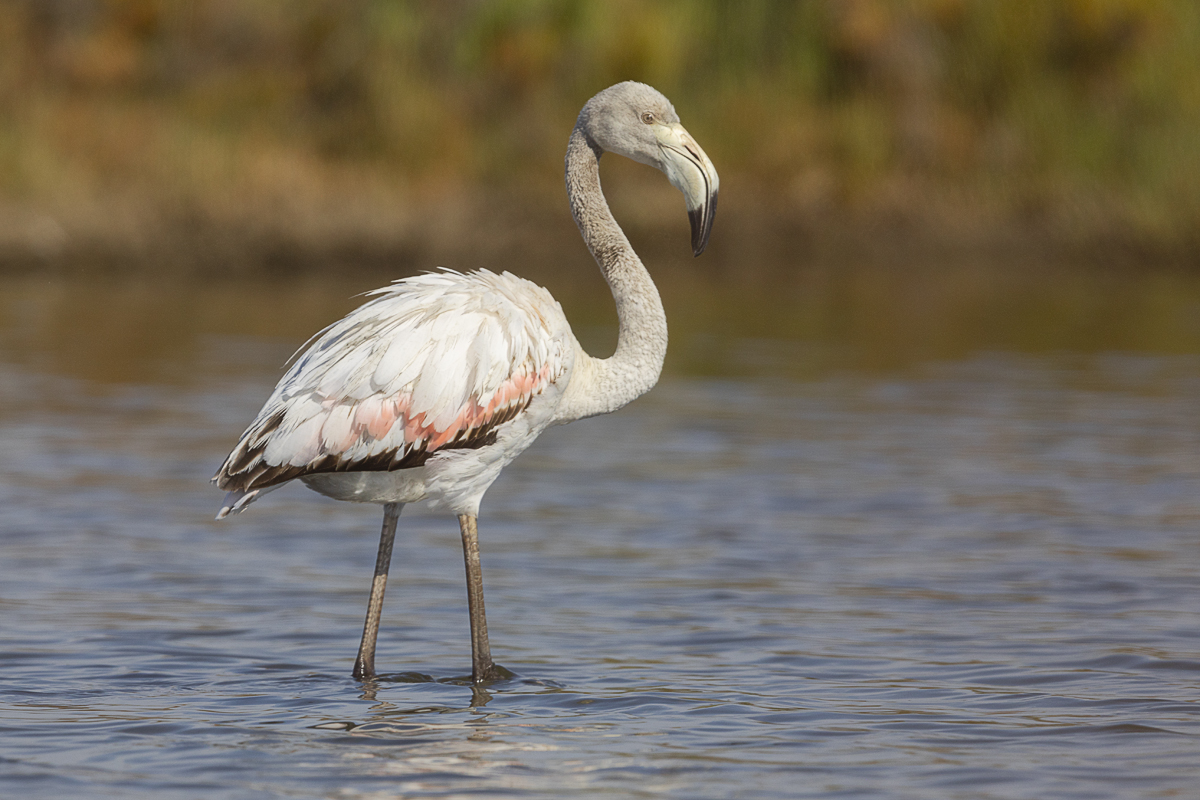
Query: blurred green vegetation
(1076, 116)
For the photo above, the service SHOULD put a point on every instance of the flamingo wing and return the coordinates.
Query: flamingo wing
(434, 362)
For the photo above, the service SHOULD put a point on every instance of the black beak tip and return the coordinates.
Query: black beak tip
(699, 240)
(701, 218)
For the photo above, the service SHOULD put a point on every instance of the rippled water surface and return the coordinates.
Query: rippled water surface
(969, 576)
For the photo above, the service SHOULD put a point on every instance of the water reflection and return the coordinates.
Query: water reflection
(956, 557)
(799, 323)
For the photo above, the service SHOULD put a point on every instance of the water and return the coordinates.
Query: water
(965, 575)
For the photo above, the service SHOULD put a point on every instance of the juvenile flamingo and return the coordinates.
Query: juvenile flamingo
(427, 391)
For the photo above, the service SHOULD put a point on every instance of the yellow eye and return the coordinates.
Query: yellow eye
(647, 117)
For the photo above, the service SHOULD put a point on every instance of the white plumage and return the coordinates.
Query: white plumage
(423, 375)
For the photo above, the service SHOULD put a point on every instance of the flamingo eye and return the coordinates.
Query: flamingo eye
(648, 117)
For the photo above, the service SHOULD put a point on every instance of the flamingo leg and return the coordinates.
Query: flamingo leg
(364, 665)
(482, 668)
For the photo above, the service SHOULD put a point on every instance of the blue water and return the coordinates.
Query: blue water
(968, 578)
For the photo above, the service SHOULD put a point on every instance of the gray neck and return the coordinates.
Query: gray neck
(599, 386)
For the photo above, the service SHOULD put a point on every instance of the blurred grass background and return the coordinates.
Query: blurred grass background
(251, 136)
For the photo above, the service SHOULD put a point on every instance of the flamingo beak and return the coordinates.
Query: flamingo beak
(690, 171)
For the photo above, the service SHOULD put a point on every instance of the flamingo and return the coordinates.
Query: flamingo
(427, 391)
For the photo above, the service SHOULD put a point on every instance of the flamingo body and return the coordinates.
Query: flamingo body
(424, 393)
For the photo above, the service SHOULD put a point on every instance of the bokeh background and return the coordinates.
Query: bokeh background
(255, 135)
(901, 179)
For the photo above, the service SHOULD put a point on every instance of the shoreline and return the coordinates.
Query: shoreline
(382, 235)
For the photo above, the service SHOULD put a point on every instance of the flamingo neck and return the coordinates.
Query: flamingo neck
(599, 386)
